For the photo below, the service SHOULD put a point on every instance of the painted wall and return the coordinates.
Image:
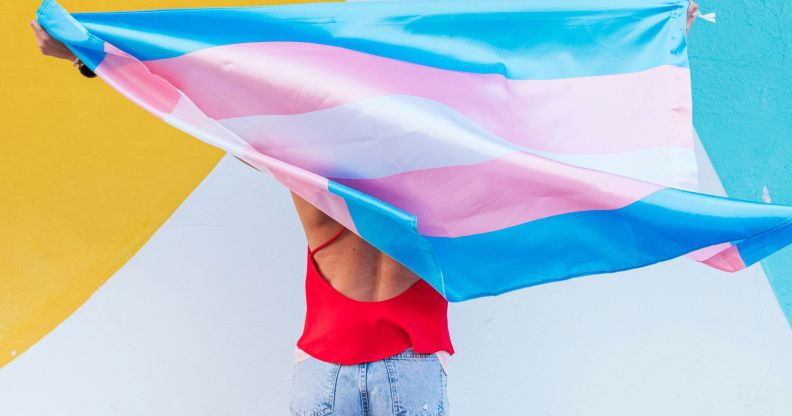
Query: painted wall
(66, 189)
(742, 91)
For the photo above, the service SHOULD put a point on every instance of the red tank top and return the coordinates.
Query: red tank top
(342, 330)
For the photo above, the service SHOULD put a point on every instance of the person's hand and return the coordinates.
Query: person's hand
(50, 46)
(691, 14)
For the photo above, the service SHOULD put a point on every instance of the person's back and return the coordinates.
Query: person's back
(351, 265)
(376, 336)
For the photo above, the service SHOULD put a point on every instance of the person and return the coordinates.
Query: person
(375, 339)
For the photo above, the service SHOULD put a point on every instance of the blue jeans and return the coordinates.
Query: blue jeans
(405, 384)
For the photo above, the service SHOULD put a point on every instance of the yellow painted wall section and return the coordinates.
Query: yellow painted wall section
(86, 177)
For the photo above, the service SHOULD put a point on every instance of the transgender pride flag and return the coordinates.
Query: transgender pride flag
(486, 145)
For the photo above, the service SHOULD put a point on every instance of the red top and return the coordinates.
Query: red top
(342, 330)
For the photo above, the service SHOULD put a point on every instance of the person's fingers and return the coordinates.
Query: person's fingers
(693, 9)
(38, 29)
(691, 16)
(40, 34)
(47, 44)
(39, 40)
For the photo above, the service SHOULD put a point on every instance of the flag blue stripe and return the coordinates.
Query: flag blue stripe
(513, 38)
(666, 224)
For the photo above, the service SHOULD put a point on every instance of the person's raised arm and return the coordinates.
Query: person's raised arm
(317, 225)
(50, 46)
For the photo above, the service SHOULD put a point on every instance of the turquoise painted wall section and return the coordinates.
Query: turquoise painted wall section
(742, 91)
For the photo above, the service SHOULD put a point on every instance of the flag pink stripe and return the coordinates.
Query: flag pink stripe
(152, 92)
(728, 260)
(511, 190)
(133, 79)
(282, 78)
